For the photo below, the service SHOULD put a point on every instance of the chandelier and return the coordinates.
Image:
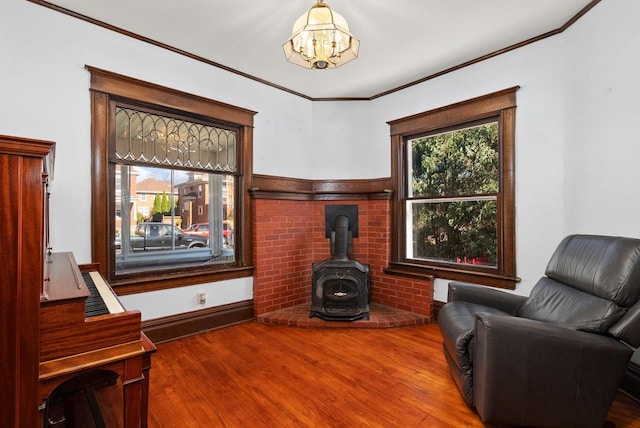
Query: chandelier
(321, 39)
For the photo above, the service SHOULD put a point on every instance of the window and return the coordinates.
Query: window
(454, 205)
(144, 141)
(191, 157)
(452, 196)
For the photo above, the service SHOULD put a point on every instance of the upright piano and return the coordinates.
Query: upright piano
(84, 329)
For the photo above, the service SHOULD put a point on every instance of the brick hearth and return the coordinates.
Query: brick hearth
(380, 317)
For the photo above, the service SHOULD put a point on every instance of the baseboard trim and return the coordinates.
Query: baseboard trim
(436, 310)
(631, 381)
(182, 325)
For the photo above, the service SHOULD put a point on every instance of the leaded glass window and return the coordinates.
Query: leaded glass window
(174, 192)
(162, 140)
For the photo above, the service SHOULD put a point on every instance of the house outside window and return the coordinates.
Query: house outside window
(454, 205)
(192, 157)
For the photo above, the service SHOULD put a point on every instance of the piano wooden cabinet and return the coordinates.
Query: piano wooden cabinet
(74, 340)
(23, 177)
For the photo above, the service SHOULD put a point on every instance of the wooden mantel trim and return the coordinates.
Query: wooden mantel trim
(273, 187)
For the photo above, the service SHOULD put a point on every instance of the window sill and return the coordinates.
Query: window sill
(439, 272)
(147, 283)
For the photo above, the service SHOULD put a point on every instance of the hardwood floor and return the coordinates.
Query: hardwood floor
(257, 375)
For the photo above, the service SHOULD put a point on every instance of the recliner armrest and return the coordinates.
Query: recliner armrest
(481, 295)
(524, 367)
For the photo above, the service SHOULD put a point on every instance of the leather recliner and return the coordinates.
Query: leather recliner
(555, 358)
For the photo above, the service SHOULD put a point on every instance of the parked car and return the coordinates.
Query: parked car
(199, 229)
(203, 229)
(163, 236)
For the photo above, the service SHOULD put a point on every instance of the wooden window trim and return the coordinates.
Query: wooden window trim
(107, 87)
(501, 104)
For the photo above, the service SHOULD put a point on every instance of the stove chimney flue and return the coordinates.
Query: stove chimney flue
(341, 231)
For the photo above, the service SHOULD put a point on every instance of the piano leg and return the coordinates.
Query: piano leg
(144, 407)
(132, 392)
(149, 349)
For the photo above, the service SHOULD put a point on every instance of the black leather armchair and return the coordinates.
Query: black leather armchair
(555, 358)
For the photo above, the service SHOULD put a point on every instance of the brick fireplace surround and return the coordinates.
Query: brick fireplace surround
(289, 235)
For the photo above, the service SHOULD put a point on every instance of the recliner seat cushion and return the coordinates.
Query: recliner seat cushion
(558, 304)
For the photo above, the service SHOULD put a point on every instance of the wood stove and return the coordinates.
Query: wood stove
(340, 285)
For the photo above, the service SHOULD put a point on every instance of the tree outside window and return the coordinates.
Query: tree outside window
(452, 206)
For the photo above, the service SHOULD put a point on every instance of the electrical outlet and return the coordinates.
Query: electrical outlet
(202, 298)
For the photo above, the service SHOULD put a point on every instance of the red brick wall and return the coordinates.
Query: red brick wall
(289, 236)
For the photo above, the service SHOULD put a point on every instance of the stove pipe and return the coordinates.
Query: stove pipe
(341, 228)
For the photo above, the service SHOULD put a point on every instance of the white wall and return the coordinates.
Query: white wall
(602, 167)
(155, 304)
(344, 146)
(576, 155)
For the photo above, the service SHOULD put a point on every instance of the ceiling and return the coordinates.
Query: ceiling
(401, 41)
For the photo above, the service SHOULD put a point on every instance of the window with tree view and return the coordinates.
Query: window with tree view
(453, 171)
(451, 204)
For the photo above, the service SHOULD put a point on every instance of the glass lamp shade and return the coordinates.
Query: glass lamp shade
(321, 40)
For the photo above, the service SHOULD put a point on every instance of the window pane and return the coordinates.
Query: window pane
(161, 227)
(461, 162)
(460, 231)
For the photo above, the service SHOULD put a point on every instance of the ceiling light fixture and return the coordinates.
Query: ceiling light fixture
(321, 39)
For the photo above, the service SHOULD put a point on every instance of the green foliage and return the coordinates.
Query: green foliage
(157, 204)
(463, 162)
(162, 203)
(139, 217)
(456, 231)
(460, 165)
(166, 203)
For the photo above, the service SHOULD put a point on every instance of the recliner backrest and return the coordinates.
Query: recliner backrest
(605, 266)
(592, 282)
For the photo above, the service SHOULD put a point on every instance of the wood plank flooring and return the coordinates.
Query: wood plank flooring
(257, 375)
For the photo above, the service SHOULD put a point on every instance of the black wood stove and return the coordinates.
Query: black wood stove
(340, 285)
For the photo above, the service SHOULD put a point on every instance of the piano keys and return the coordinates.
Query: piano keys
(94, 305)
(101, 300)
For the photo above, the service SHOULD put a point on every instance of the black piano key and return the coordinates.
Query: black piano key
(94, 305)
